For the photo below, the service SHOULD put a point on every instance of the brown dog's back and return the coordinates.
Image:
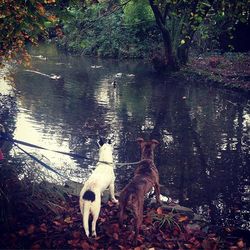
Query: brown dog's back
(142, 182)
(146, 177)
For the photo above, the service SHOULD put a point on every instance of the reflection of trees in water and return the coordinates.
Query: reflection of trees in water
(204, 161)
(204, 168)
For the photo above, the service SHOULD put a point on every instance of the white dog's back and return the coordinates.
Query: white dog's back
(101, 178)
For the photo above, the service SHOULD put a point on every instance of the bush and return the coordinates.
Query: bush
(92, 31)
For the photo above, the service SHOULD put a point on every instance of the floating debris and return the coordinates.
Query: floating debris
(41, 57)
(51, 76)
(118, 75)
(95, 66)
(130, 75)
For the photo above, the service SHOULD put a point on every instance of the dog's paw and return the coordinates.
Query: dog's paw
(114, 200)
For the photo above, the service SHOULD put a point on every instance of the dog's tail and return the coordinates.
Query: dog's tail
(89, 196)
(86, 200)
(85, 218)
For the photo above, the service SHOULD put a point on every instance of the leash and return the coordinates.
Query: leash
(41, 162)
(5, 137)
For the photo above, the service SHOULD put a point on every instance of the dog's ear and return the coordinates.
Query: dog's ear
(101, 142)
(140, 140)
(155, 142)
(2, 128)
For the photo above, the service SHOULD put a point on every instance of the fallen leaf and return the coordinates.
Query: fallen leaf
(175, 232)
(137, 248)
(115, 227)
(102, 219)
(73, 243)
(182, 218)
(148, 220)
(159, 210)
(35, 247)
(57, 223)
(43, 228)
(85, 245)
(115, 236)
(76, 234)
(68, 220)
(31, 229)
(22, 232)
(189, 246)
(240, 243)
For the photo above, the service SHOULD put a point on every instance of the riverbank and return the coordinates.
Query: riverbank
(163, 228)
(228, 70)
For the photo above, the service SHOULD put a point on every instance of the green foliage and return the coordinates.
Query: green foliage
(179, 21)
(95, 30)
(220, 22)
(137, 12)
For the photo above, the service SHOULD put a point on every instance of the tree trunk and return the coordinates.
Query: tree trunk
(169, 62)
(182, 54)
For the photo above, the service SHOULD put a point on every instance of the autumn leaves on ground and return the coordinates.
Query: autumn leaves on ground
(230, 70)
(63, 230)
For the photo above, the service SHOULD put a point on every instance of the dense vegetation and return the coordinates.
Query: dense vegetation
(162, 30)
(110, 30)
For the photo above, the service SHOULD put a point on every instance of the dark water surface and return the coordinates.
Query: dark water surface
(203, 156)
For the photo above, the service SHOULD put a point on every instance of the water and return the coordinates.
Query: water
(203, 157)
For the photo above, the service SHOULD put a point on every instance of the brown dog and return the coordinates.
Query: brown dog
(145, 177)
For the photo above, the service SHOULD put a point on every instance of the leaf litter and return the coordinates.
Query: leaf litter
(160, 230)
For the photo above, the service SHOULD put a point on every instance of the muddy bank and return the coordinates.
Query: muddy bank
(229, 70)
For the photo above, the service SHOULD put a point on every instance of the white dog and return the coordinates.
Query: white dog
(101, 178)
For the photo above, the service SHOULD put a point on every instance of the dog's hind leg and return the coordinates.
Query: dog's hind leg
(95, 210)
(157, 192)
(121, 213)
(138, 210)
(112, 192)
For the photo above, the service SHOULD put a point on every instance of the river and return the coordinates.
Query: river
(203, 155)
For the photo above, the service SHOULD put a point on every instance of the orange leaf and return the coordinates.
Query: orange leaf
(147, 220)
(73, 243)
(115, 236)
(182, 218)
(57, 223)
(189, 246)
(52, 18)
(68, 220)
(40, 9)
(85, 245)
(43, 228)
(115, 227)
(240, 243)
(159, 210)
(102, 219)
(22, 232)
(31, 229)
(76, 234)
(35, 247)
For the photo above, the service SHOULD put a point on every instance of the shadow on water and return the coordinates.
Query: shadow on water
(203, 156)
